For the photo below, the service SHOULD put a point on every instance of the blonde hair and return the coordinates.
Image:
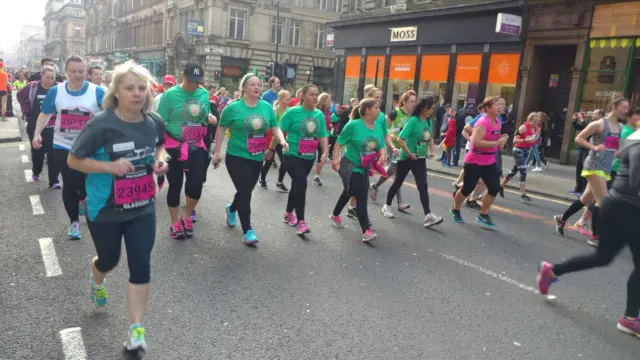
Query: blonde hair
(532, 116)
(323, 101)
(130, 67)
(282, 94)
(406, 96)
(371, 92)
(361, 109)
(245, 79)
(368, 88)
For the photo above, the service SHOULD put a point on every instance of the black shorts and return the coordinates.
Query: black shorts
(2, 93)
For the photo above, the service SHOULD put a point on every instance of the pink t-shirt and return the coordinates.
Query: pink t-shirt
(485, 156)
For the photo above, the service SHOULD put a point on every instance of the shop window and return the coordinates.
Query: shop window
(503, 75)
(467, 77)
(609, 58)
(402, 72)
(351, 77)
(597, 94)
(634, 80)
(434, 70)
(370, 75)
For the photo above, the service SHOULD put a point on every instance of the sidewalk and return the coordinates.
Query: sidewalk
(9, 130)
(555, 182)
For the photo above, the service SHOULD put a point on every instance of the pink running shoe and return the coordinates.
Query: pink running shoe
(583, 228)
(629, 326)
(336, 221)
(187, 225)
(368, 235)
(290, 219)
(302, 228)
(545, 278)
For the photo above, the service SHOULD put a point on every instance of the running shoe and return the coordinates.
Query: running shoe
(368, 235)
(545, 278)
(81, 208)
(74, 231)
(336, 221)
(193, 216)
(187, 225)
(281, 188)
(403, 207)
(583, 228)
(263, 185)
(316, 181)
(501, 191)
(249, 238)
(98, 292)
(176, 232)
(559, 224)
(593, 241)
(485, 220)
(432, 220)
(135, 338)
(231, 216)
(472, 204)
(456, 216)
(546, 165)
(373, 192)
(629, 325)
(56, 186)
(352, 213)
(525, 198)
(386, 211)
(537, 169)
(302, 228)
(35, 177)
(290, 219)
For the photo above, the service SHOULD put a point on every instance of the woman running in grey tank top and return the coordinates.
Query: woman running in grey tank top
(605, 140)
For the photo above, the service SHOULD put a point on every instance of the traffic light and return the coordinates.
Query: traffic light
(269, 70)
(216, 75)
(277, 70)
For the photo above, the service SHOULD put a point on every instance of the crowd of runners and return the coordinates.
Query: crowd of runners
(115, 144)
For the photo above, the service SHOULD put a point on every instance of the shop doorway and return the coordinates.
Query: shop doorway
(552, 77)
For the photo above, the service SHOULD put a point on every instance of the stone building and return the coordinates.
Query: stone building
(65, 25)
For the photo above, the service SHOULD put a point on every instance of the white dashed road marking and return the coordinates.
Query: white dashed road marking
(28, 175)
(490, 273)
(72, 344)
(25, 158)
(36, 205)
(21, 147)
(49, 257)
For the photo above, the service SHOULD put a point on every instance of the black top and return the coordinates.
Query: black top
(627, 184)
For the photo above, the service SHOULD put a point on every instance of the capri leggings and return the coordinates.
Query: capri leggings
(244, 174)
(194, 174)
(73, 190)
(419, 169)
(520, 164)
(298, 169)
(475, 172)
(139, 236)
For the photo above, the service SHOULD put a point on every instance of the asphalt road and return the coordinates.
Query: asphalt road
(459, 291)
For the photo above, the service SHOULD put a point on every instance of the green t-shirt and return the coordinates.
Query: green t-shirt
(248, 128)
(382, 119)
(626, 131)
(417, 134)
(358, 141)
(334, 120)
(185, 114)
(303, 129)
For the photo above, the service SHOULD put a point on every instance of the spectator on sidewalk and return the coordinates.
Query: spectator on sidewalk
(450, 136)
(4, 90)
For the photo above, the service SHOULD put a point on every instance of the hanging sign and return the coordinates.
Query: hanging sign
(509, 24)
(409, 33)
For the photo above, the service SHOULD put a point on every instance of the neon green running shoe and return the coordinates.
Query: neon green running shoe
(135, 338)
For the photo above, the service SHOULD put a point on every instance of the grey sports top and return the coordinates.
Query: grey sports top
(603, 161)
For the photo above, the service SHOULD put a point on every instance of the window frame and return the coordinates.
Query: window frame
(320, 38)
(233, 15)
(321, 5)
(292, 32)
(273, 36)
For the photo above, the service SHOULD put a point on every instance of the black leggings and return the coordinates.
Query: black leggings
(332, 144)
(581, 182)
(358, 187)
(268, 163)
(618, 227)
(298, 170)
(488, 174)
(419, 169)
(37, 155)
(244, 174)
(208, 140)
(139, 235)
(195, 176)
(73, 190)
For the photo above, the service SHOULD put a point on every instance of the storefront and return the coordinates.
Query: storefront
(612, 58)
(154, 61)
(458, 61)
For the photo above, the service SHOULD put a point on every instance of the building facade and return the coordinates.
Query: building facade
(452, 52)
(230, 38)
(31, 46)
(65, 28)
(127, 29)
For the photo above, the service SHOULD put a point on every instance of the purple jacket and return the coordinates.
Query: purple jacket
(27, 96)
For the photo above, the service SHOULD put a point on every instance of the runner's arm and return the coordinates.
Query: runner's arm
(592, 128)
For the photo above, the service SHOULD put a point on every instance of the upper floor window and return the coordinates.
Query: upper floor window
(321, 4)
(277, 30)
(76, 1)
(77, 14)
(321, 31)
(294, 32)
(339, 6)
(236, 23)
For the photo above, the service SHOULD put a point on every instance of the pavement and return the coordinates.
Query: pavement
(459, 291)
(9, 130)
(556, 181)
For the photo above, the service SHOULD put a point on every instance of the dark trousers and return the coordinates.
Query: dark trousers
(419, 169)
(358, 187)
(269, 163)
(298, 170)
(457, 145)
(37, 155)
(73, 190)
(244, 174)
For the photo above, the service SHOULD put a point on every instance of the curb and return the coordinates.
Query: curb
(11, 139)
(517, 188)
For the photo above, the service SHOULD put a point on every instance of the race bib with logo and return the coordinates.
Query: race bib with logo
(52, 122)
(256, 128)
(422, 150)
(193, 132)
(612, 142)
(256, 144)
(134, 190)
(73, 120)
(307, 146)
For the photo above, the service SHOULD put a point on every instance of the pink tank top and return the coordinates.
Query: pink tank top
(485, 156)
